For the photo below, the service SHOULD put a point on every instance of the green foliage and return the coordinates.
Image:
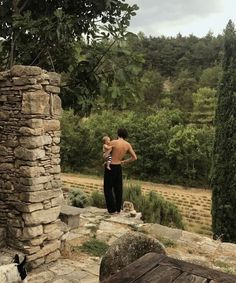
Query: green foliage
(171, 55)
(94, 247)
(189, 149)
(167, 242)
(59, 36)
(204, 104)
(98, 200)
(153, 207)
(151, 89)
(75, 148)
(168, 151)
(210, 77)
(43, 32)
(223, 180)
(79, 198)
(107, 77)
(183, 88)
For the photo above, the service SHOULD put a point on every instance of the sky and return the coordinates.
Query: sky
(170, 17)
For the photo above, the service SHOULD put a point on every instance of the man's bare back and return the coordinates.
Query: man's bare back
(113, 181)
(119, 149)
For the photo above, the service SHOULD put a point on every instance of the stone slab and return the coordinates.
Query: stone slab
(70, 215)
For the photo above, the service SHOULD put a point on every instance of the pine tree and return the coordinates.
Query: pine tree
(223, 181)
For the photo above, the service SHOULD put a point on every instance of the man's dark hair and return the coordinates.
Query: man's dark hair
(122, 133)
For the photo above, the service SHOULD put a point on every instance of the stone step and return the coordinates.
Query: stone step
(70, 215)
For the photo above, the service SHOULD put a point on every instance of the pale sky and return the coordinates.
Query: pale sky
(170, 17)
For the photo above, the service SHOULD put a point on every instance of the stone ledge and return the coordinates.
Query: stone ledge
(70, 215)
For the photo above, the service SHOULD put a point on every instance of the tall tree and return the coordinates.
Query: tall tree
(223, 180)
(53, 34)
(43, 32)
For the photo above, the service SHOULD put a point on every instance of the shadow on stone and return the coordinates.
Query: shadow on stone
(125, 250)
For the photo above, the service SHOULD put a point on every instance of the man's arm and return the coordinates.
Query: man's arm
(132, 158)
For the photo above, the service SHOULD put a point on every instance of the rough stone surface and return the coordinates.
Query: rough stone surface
(19, 71)
(85, 268)
(36, 103)
(44, 216)
(127, 249)
(30, 187)
(70, 215)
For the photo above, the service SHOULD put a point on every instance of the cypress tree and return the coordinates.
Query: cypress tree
(223, 179)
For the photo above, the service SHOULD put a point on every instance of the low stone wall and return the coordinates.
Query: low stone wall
(30, 185)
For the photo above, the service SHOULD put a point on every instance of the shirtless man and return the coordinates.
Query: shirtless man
(113, 183)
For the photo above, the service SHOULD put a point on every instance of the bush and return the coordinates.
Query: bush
(79, 198)
(98, 200)
(153, 207)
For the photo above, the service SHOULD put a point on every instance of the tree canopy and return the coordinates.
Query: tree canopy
(43, 32)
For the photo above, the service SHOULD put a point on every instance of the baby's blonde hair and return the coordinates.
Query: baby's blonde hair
(105, 138)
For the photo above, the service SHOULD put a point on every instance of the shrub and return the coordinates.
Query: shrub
(98, 200)
(79, 198)
(153, 207)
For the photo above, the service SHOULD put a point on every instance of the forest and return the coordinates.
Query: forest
(162, 89)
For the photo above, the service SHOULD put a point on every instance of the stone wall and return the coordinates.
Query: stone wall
(30, 185)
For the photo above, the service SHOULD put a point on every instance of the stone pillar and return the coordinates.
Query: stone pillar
(30, 185)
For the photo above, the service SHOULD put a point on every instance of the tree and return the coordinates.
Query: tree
(182, 90)
(43, 32)
(52, 34)
(105, 75)
(210, 77)
(204, 102)
(223, 181)
(151, 89)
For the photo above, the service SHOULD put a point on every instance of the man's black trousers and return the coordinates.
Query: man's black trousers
(113, 188)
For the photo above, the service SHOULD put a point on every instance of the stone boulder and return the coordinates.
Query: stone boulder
(127, 249)
(128, 206)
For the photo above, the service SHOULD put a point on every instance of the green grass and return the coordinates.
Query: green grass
(167, 242)
(225, 267)
(94, 247)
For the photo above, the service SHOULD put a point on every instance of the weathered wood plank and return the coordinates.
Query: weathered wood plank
(153, 268)
(160, 274)
(136, 269)
(198, 270)
(190, 278)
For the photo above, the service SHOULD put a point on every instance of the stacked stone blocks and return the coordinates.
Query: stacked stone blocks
(30, 185)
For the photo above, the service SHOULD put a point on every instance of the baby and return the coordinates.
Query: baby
(107, 148)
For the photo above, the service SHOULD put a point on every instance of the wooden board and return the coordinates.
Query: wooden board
(160, 274)
(190, 278)
(198, 270)
(155, 268)
(136, 269)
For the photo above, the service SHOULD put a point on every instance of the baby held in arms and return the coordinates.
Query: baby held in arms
(107, 148)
